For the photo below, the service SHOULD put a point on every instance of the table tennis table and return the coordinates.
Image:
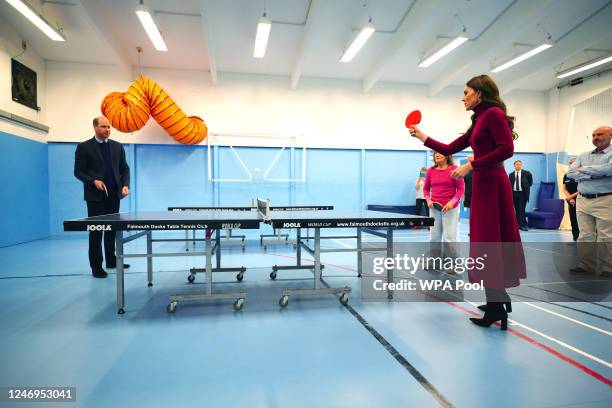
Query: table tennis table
(145, 222)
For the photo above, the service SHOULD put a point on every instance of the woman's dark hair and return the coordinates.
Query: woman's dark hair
(489, 94)
(449, 159)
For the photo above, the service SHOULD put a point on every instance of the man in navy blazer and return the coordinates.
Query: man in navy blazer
(521, 181)
(100, 164)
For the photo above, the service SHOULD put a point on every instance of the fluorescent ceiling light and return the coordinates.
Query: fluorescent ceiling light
(361, 39)
(261, 38)
(443, 51)
(588, 65)
(36, 19)
(535, 50)
(146, 19)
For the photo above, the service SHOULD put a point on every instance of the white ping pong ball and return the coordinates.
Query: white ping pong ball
(256, 169)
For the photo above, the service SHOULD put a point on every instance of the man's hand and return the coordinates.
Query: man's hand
(430, 203)
(100, 185)
(447, 207)
(125, 191)
(462, 171)
(572, 201)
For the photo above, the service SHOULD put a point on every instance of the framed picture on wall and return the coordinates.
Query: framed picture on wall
(23, 85)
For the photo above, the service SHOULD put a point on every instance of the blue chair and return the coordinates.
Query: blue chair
(549, 211)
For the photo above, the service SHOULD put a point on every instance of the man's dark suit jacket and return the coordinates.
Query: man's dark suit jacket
(89, 166)
(526, 182)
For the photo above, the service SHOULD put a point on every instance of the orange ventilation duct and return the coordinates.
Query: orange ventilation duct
(129, 111)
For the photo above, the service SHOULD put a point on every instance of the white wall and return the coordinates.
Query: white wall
(530, 109)
(561, 102)
(327, 112)
(10, 46)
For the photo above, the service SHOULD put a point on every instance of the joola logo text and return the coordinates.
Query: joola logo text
(98, 228)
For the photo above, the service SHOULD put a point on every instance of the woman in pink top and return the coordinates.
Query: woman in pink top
(443, 194)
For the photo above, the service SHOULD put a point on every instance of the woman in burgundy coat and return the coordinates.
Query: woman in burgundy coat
(492, 217)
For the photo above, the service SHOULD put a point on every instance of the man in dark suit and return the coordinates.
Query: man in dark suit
(100, 164)
(521, 181)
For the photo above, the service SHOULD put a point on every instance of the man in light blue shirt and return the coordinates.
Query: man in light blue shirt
(592, 171)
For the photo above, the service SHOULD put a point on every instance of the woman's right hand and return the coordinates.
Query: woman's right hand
(430, 203)
(416, 132)
(461, 171)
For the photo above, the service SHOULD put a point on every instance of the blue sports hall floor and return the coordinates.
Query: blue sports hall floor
(60, 328)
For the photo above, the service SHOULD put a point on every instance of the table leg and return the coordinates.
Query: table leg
(209, 265)
(149, 258)
(218, 243)
(390, 271)
(317, 256)
(299, 246)
(359, 254)
(120, 281)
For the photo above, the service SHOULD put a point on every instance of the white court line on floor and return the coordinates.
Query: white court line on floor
(342, 244)
(547, 232)
(603, 331)
(564, 283)
(554, 340)
(547, 250)
(557, 341)
(568, 318)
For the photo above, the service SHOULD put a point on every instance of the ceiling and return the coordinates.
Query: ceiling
(308, 37)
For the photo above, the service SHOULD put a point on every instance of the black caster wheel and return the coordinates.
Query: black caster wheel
(150, 284)
(121, 311)
(284, 301)
(191, 278)
(238, 304)
(344, 299)
(272, 275)
(171, 307)
(239, 277)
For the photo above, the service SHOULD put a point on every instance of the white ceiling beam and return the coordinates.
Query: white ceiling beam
(208, 40)
(510, 25)
(572, 44)
(99, 17)
(296, 72)
(419, 16)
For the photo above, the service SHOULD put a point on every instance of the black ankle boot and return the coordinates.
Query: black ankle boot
(508, 306)
(494, 313)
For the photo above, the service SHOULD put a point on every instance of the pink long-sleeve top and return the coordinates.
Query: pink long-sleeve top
(441, 187)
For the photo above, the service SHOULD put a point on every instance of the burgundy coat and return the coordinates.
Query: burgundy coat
(493, 226)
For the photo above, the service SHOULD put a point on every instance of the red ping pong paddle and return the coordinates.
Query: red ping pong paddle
(413, 118)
